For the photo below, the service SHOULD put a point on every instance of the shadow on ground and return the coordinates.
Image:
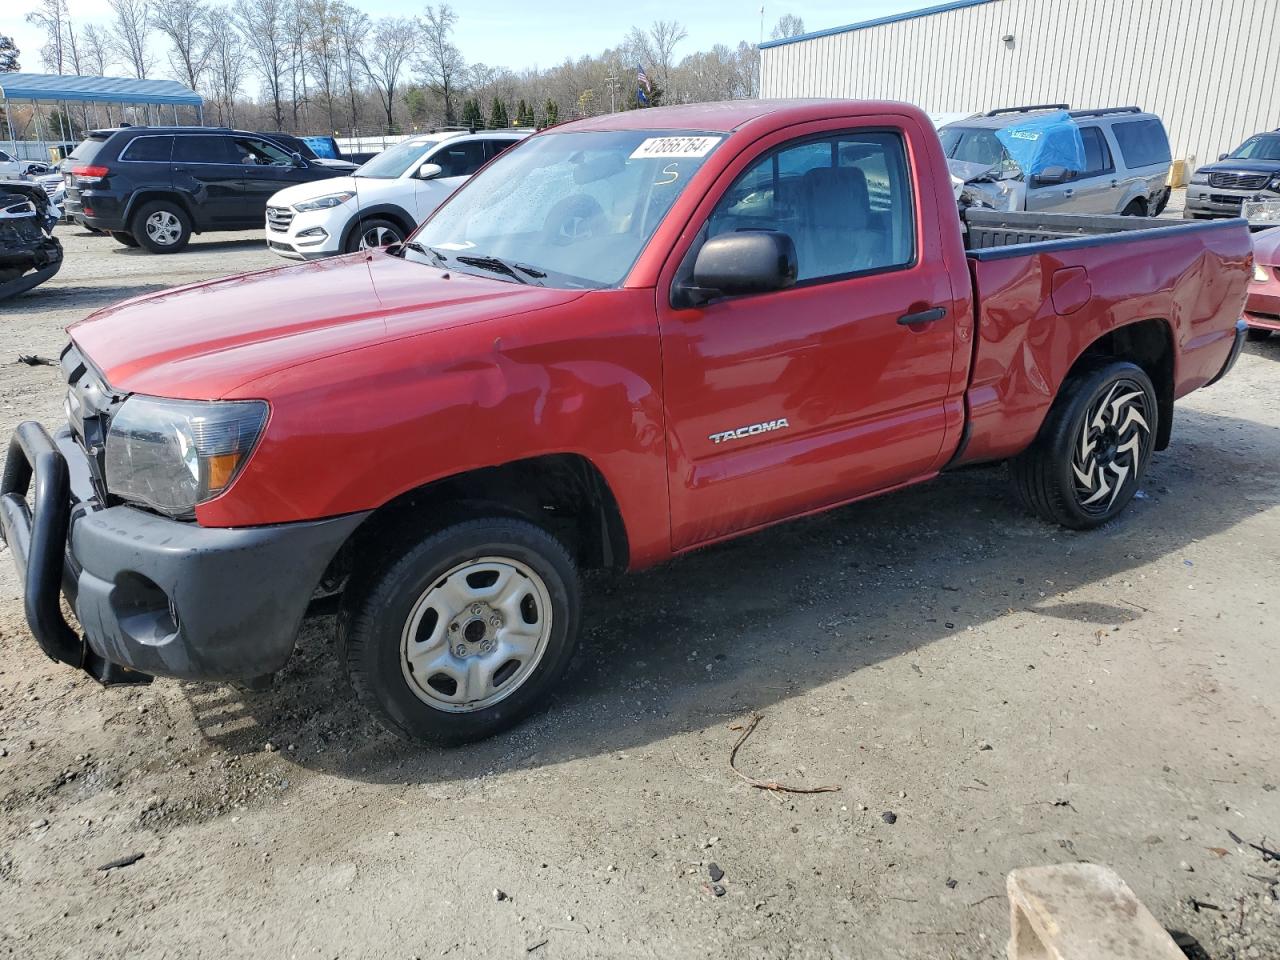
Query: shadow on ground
(748, 624)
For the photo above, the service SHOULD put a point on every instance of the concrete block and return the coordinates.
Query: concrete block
(1081, 911)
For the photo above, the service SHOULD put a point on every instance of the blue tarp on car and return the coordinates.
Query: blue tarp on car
(1047, 140)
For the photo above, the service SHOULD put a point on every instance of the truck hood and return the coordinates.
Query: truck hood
(1241, 166)
(200, 342)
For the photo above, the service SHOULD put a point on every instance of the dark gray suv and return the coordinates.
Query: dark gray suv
(1249, 172)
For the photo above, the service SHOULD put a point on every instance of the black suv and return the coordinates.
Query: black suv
(154, 186)
(1249, 172)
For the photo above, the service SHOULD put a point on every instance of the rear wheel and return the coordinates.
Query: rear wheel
(463, 633)
(161, 227)
(371, 234)
(1255, 335)
(1092, 450)
(128, 239)
(1136, 208)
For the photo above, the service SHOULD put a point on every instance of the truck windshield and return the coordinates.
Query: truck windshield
(565, 209)
(1257, 148)
(394, 161)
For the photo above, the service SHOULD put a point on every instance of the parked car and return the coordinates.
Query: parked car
(29, 254)
(1262, 309)
(302, 147)
(383, 201)
(55, 188)
(153, 187)
(634, 336)
(1126, 151)
(1249, 172)
(13, 168)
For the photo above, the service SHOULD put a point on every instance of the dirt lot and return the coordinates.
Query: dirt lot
(1014, 693)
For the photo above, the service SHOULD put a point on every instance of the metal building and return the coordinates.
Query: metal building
(1211, 70)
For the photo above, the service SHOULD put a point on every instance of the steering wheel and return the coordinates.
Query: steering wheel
(573, 219)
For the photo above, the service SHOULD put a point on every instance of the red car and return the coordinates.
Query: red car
(627, 338)
(1262, 309)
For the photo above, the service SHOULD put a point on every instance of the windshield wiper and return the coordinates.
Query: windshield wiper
(416, 247)
(498, 265)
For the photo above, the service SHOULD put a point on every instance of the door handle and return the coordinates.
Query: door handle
(1068, 192)
(924, 316)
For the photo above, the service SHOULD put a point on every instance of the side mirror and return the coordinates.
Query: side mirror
(1223, 156)
(298, 161)
(732, 264)
(429, 171)
(1051, 176)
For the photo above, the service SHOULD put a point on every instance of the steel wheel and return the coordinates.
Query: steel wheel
(476, 635)
(163, 228)
(1112, 446)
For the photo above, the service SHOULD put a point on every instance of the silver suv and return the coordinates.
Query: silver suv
(1126, 152)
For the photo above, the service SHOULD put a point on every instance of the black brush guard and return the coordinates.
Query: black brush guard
(38, 538)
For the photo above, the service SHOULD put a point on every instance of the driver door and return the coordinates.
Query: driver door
(458, 161)
(786, 402)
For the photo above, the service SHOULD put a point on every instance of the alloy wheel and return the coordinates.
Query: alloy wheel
(1114, 441)
(163, 228)
(376, 237)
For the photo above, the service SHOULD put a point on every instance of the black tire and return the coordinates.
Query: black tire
(1065, 468)
(1163, 202)
(366, 232)
(128, 239)
(1254, 335)
(1136, 208)
(373, 629)
(169, 235)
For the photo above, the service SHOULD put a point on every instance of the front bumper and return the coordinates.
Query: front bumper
(1262, 308)
(1208, 202)
(311, 235)
(154, 596)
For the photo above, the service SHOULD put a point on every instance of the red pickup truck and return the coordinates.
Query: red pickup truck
(629, 337)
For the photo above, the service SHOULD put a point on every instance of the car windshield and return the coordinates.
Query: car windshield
(1258, 148)
(394, 161)
(566, 209)
(972, 145)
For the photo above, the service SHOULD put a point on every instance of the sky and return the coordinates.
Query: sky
(520, 34)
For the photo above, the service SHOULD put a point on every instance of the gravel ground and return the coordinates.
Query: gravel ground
(1013, 693)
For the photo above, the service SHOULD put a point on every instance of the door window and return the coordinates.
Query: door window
(844, 200)
(495, 147)
(258, 153)
(202, 148)
(460, 159)
(154, 149)
(1097, 155)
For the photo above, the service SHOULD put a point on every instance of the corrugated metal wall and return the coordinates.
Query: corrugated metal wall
(1211, 70)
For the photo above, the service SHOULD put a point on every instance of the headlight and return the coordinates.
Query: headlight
(1260, 273)
(1274, 184)
(173, 454)
(325, 202)
(1199, 177)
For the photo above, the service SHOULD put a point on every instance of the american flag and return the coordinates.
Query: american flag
(642, 85)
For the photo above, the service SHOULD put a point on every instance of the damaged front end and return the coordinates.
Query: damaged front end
(29, 255)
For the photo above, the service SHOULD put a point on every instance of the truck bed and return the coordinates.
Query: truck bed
(989, 233)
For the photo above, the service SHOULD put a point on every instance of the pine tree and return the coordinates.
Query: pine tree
(522, 108)
(498, 119)
(8, 55)
(553, 112)
(472, 115)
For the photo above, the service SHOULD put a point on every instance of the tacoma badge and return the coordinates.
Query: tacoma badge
(751, 431)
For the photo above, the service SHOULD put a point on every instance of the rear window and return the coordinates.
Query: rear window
(1143, 143)
(87, 149)
(149, 148)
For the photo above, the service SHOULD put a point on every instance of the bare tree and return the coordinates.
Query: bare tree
(129, 31)
(226, 65)
(299, 26)
(385, 58)
(323, 51)
(262, 24)
(52, 17)
(655, 47)
(353, 29)
(186, 24)
(788, 25)
(442, 65)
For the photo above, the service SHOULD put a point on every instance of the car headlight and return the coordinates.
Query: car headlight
(1198, 177)
(173, 454)
(1260, 273)
(325, 202)
(1275, 183)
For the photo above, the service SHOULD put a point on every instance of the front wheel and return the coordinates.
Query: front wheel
(371, 234)
(464, 633)
(1092, 450)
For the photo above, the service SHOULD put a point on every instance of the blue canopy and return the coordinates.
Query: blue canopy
(1043, 141)
(52, 88)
